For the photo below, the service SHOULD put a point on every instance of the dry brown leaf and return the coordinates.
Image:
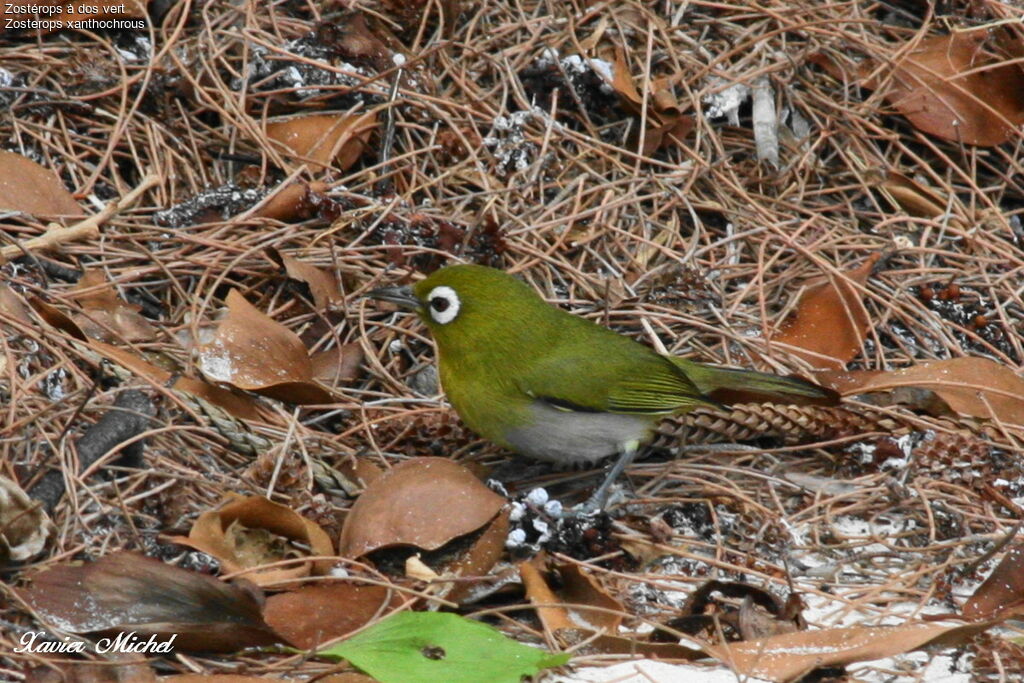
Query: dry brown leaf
(580, 590)
(104, 315)
(912, 197)
(829, 65)
(312, 615)
(324, 139)
(251, 351)
(249, 532)
(352, 37)
(361, 471)
(552, 615)
(954, 87)
(711, 611)
(674, 130)
(577, 626)
(130, 592)
(623, 85)
(577, 592)
(323, 285)
(976, 387)
(424, 502)
(241, 407)
(1002, 593)
(122, 670)
(829, 322)
(289, 203)
(24, 525)
(480, 559)
(338, 364)
(30, 188)
(417, 569)
(792, 655)
(410, 14)
(12, 306)
(666, 124)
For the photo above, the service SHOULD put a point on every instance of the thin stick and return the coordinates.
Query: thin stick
(84, 229)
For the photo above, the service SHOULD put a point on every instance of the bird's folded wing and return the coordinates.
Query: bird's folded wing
(649, 385)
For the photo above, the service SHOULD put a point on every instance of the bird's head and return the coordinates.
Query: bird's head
(466, 306)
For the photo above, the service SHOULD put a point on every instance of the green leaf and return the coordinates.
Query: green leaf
(410, 647)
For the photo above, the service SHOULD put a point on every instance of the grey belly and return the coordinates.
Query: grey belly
(577, 438)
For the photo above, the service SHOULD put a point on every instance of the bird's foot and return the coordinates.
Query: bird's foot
(599, 502)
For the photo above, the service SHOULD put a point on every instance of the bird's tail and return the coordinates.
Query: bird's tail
(727, 385)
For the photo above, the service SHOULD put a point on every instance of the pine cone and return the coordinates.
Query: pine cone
(793, 424)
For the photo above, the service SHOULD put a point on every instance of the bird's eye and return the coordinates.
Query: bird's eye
(444, 304)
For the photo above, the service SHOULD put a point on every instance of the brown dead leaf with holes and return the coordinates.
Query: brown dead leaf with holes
(314, 614)
(827, 328)
(105, 316)
(323, 140)
(249, 532)
(424, 503)
(253, 352)
(975, 387)
(126, 591)
(959, 87)
(27, 187)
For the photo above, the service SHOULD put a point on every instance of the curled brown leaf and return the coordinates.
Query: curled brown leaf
(250, 532)
(424, 502)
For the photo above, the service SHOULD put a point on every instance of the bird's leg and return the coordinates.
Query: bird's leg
(597, 501)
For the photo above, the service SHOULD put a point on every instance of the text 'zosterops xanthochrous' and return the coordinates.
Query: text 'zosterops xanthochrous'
(556, 387)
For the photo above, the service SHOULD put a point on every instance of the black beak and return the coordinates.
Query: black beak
(402, 296)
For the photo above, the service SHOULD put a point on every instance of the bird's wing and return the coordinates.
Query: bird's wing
(638, 383)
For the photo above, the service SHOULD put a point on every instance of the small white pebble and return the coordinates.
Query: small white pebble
(516, 538)
(537, 496)
(553, 508)
(516, 512)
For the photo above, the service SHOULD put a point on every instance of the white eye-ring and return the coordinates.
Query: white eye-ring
(444, 304)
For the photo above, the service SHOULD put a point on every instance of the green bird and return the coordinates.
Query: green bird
(556, 387)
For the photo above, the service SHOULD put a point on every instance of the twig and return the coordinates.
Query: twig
(83, 229)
